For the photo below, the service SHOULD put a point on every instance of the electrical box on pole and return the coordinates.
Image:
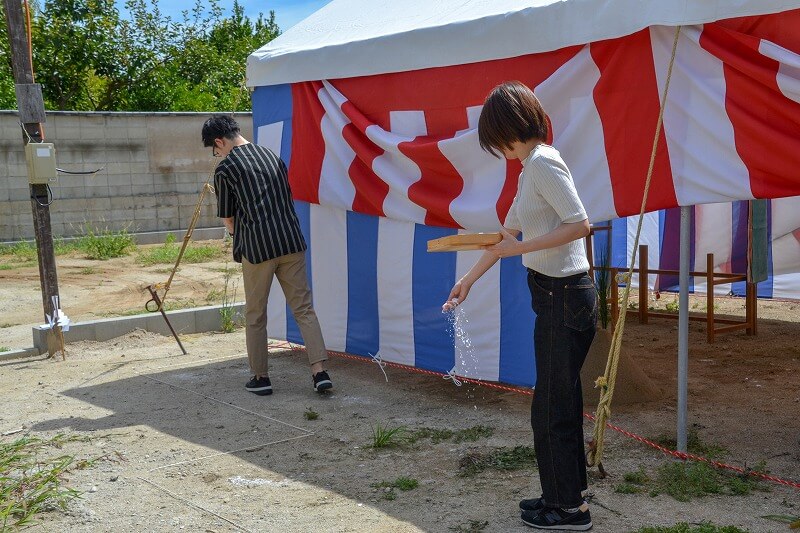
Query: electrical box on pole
(41, 159)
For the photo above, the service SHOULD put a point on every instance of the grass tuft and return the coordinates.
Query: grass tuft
(168, 253)
(386, 437)
(501, 459)
(694, 445)
(401, 483)
(310, 414)
(440, 435)
(34, 481)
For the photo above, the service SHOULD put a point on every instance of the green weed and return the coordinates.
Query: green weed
(105, 244)
(440, 435)
(684, 481)
(5, 349)
(385, 437)
(401, 483)
(32, 481)
(310, 414)
(227, 312)
(168, 253)
(673, 306)
(502, 459)
(13, 266)
(683, 527)
(88, 271)
(694, 445)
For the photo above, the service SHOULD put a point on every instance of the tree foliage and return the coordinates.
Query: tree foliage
(89, 58)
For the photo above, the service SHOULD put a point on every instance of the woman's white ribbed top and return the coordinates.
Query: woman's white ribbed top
(546, 198)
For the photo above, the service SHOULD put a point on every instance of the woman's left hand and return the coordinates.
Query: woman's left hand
(508, 247)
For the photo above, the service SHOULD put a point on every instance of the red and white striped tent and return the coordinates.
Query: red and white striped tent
(374, 104)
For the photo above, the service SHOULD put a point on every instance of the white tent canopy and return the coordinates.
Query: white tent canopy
(350, 38)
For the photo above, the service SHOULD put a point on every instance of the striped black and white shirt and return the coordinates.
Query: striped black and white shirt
(252, 186)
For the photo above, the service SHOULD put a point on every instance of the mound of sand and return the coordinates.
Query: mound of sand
(632, 386)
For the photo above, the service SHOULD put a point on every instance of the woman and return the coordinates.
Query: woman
(553, 222)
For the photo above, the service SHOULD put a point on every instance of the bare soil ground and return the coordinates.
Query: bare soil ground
(185, 447)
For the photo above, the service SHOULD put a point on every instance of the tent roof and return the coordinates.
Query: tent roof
(348, 38)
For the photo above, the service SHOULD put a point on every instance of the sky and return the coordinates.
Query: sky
(287, 12)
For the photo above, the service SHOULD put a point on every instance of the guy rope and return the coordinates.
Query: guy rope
(607, 381)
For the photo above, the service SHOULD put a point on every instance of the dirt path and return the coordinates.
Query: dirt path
(188, 449)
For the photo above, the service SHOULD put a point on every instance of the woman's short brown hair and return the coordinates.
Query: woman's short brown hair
(511, 113)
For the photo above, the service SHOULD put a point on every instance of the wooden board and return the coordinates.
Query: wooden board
(467, 241)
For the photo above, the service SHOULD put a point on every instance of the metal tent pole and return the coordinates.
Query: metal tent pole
(683, 326)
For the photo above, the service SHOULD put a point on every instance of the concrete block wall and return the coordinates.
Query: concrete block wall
(154, 167)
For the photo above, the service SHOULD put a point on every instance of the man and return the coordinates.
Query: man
(255, 204)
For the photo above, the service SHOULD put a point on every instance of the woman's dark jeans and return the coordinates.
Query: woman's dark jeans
(566, 315)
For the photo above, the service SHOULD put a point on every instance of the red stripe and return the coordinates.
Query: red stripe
(766, 124)
(308, 146)
(371, 190)
(627, 99)
(444, 104)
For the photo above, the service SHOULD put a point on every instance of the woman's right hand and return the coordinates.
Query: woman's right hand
(458, 294)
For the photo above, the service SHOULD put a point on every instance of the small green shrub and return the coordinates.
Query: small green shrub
(310, 414)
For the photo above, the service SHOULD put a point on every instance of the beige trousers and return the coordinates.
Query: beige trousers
(291, 273)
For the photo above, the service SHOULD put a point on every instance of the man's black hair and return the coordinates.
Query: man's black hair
(219, 127)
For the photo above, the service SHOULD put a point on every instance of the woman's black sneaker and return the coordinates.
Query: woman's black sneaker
(537, 504)
(260, 386)
(322, 381)
(559, 519)
(533, 504)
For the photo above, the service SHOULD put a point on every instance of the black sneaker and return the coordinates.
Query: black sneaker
(537, 504)
(260, 386)
(559, 519)
(533, 504)
(322, 381)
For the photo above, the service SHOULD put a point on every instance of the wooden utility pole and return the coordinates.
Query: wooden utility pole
(31, 114)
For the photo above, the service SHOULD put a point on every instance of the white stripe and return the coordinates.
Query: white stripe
(478, 354)
(786, 286)
(713, 234)
(785, 248)
(271, 136)
(335, 187)
(788, 77)
(393, 167)
(650, 237)
(329, 273)
(276, 312)
(705, 165)
(395, 307)
(483, 175)
(567, 97)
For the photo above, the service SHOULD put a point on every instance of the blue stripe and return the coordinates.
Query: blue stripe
(432, 278)
(274, 104)
(363, 331)
(619, 242)
(517, 365)
(304, 216)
